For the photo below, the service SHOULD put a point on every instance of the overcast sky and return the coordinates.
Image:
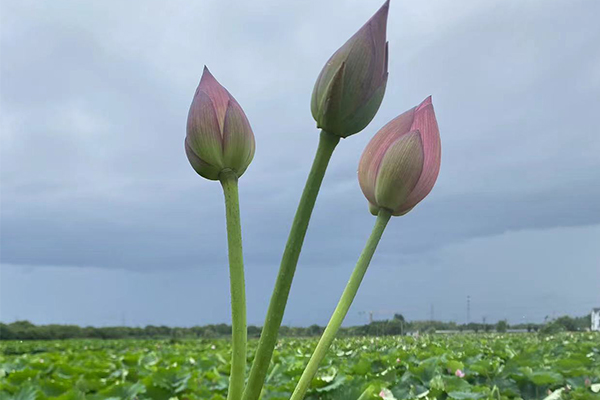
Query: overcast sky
(104, 221)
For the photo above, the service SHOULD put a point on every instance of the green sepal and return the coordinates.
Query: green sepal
(399, 171)
(361, 117)
(330, 118)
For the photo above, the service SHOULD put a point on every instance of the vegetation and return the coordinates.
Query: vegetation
(24, 330)
(453, 367)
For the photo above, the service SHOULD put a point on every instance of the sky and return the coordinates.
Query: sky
(104, 222)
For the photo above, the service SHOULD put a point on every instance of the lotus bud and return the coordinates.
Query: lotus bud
(350, 88)
(219, 136)
(401, 163)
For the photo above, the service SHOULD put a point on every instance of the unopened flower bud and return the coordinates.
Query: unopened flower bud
(350, 88)
(219, 136)
(401, 163)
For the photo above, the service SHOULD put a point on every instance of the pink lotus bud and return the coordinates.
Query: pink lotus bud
(219, 136)
(459, 373)
(401, 163)
(350, 88)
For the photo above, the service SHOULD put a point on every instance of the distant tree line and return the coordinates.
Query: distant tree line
(24, 330)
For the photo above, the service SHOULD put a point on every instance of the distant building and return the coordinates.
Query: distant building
(596, 319)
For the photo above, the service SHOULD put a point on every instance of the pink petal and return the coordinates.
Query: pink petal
(399, 171)
(238, 139)
(370, 160)
(425, 122)
(217, 94)
(378, 27)
(365, 54)
(203, 135)
(369, 58)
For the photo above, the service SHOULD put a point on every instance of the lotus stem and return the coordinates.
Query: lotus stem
(229, 181)
(343, 305)
(289, 260)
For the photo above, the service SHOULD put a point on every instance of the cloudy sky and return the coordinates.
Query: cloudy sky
(104, 222)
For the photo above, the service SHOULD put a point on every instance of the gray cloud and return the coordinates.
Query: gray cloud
(95, 96)
(528, 273)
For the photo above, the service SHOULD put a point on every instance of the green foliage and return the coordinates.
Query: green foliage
(496, 367)
(566, 324)
(502, 326)
(24, 330)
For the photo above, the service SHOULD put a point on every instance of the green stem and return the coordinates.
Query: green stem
(268, 337)
(229, 181)
(343, 305)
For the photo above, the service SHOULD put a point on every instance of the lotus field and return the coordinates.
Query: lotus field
(460, 367)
